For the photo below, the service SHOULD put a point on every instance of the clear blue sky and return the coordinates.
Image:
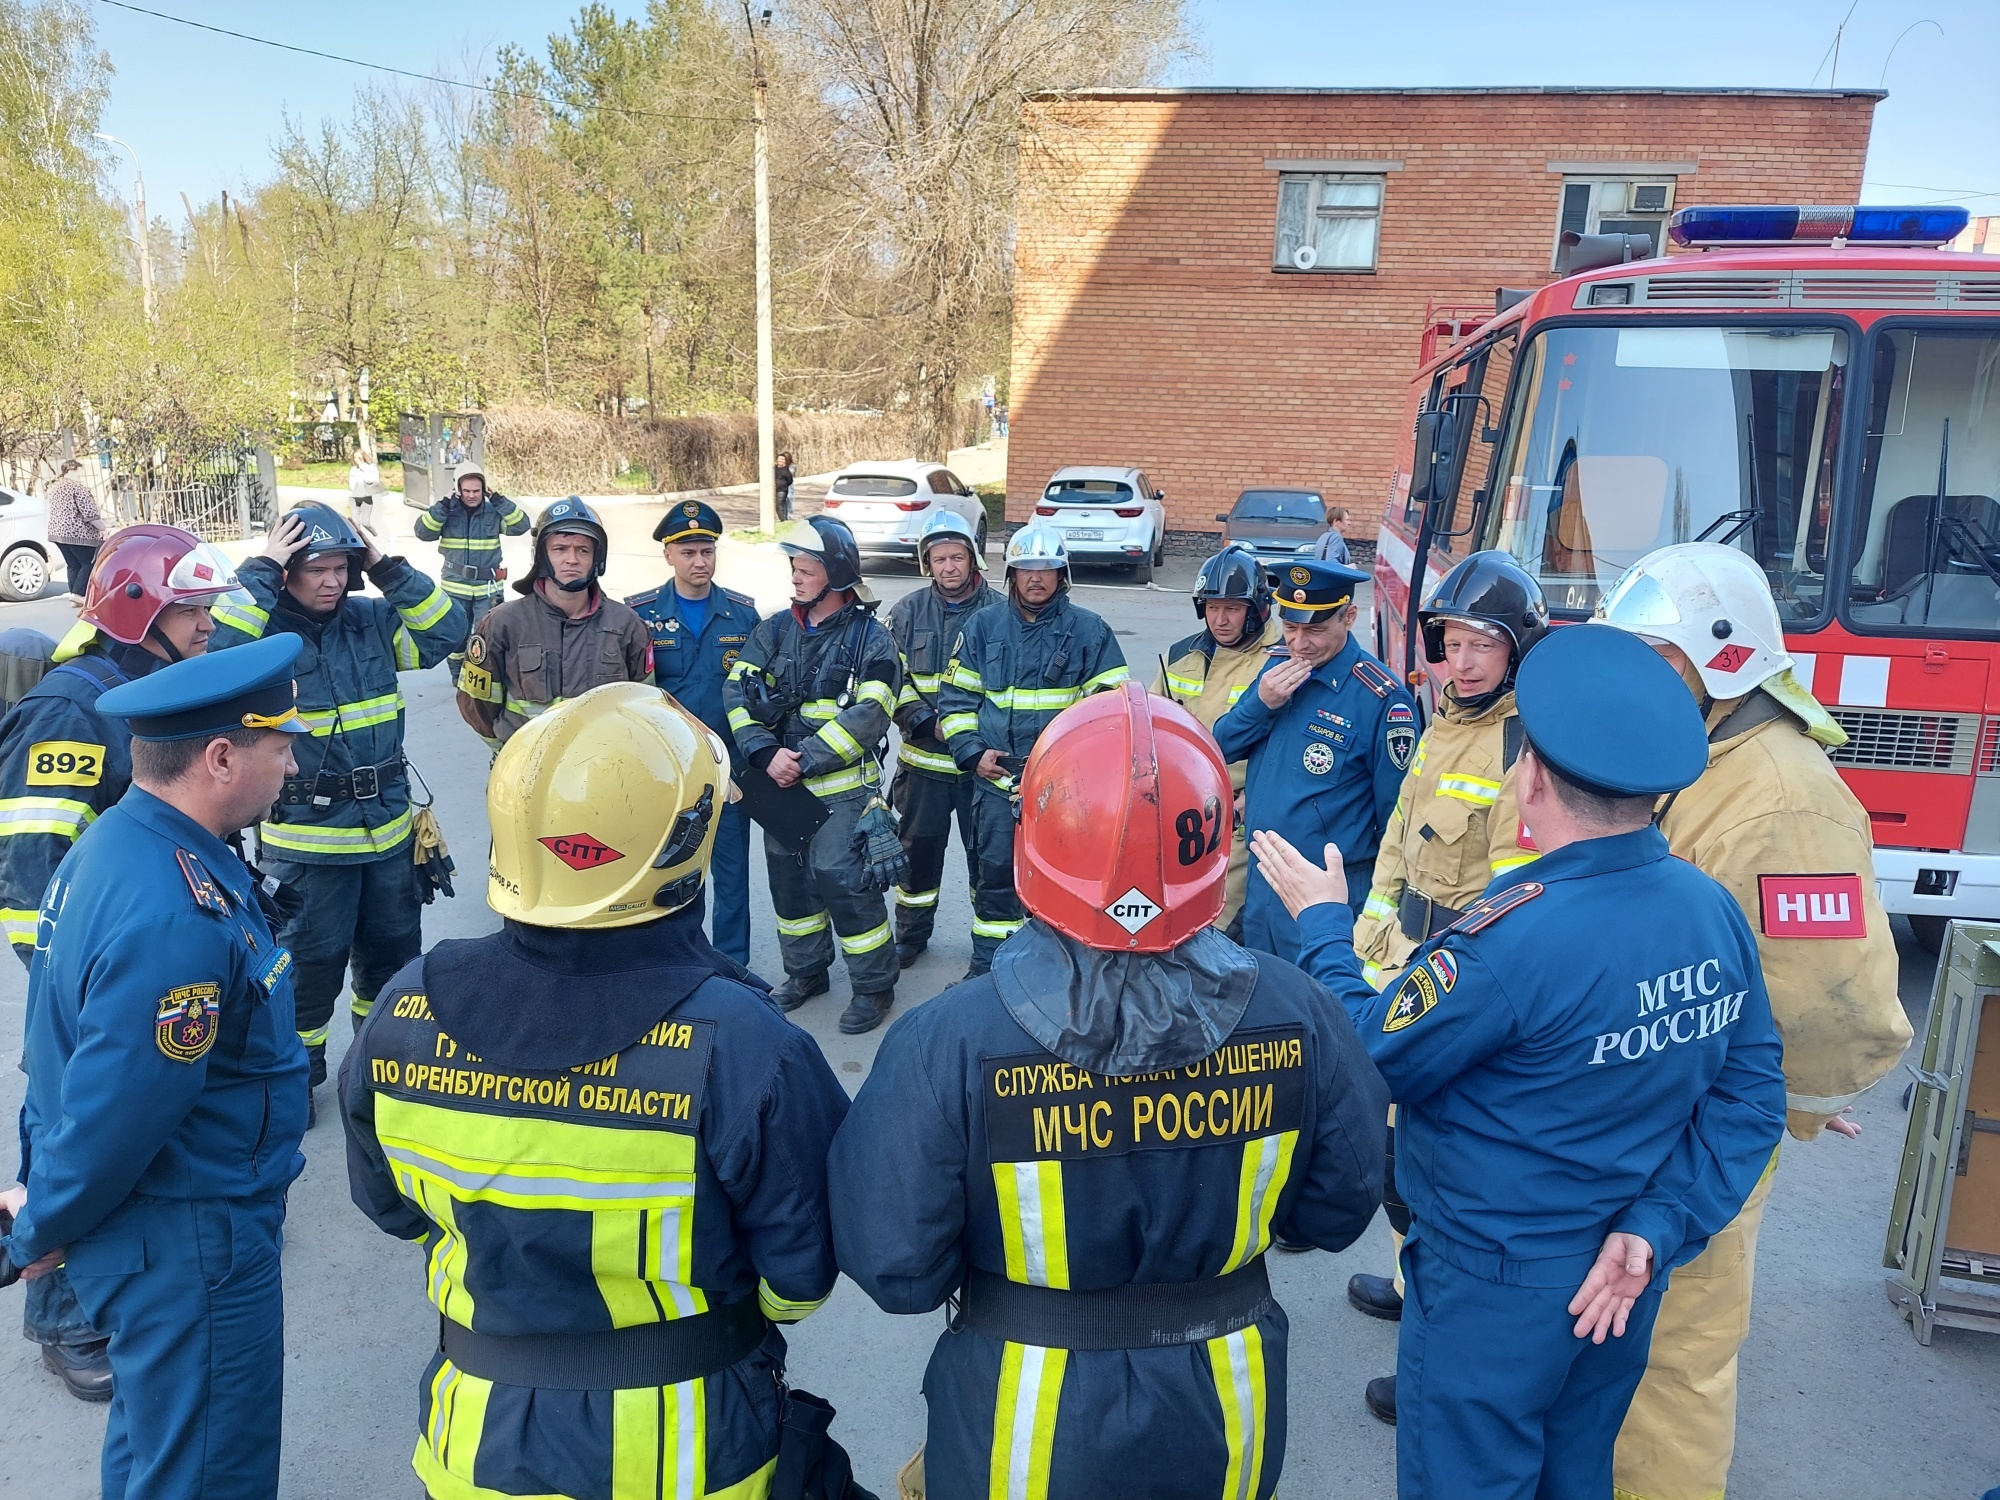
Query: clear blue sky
(203, 110)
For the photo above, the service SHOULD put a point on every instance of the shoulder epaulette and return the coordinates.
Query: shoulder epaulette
(207, 894)
(635, 600)
(1186, 644)
(743, 599)
(1485, 912)
(1372, 675)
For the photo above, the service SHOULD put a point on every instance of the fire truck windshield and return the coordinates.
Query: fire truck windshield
(1927, 537)
(1623, 439)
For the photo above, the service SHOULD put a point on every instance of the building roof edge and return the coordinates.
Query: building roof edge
(1164, 92)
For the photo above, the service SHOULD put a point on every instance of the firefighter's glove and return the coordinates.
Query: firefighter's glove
(883, 862)
(434, 866)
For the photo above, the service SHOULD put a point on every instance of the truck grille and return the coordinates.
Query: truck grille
(1988, 763)
(1830, 289)
(1887, 741)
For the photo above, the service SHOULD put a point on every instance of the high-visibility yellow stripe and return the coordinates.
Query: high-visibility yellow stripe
(357, 715)
(743, 667)
(785, 1309)
(819, 710)
(316, 1037)
(462, 590)
(361, 1005)
(1024, 1421)
(405, 645)
(833, 782)
(444, 1271)
(21, 926)
(877, 693)
(903, 898)
(739, 718)
(243, 615)
(928, 760)
(526, 708)
(1237, 1363)
(469, 543)
(843, 744)
(983, 928)
(315, 838)
(953, 725)
(1378, 906)
(1104, 680)
(427, 611)
(1423, 749)
(59, 815)
(1237, 692)
(1477, 790)
(866, 942)
(802, 926)
(965, 677)
(659, 1441)
(448, 1446)
(76, 640)
(1032, 1227)
(643, 1262)
(924, 682)
(1191, 686)
(1372, 972)
(1034, 700)
(1513, 861)
(1261, 1177)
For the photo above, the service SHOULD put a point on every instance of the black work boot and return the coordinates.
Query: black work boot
(1381, 1399)
(909, 953)
(799, 988)
(866, 1012)
(1376, 1296)
(84, 1368)
(976, 970)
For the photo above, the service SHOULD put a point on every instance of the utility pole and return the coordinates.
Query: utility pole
(143, 239)
(767, 432)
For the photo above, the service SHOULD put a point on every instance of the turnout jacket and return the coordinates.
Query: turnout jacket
(836, 683)
(62, 764)
(1455, 826)
(1588, 1050)
(693, 665)
(972, 1147)
(1009, 676)
(163, 1055)
(527, 656)
(468, 539)
(926, 625)
(592, 1131)
(1771, 819)
(349, 694)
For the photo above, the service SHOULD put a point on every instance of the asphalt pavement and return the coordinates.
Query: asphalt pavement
(1838, 1397)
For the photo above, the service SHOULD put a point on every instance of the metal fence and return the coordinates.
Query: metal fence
(225, 494)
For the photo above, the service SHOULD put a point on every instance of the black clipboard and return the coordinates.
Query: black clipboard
(789, 814)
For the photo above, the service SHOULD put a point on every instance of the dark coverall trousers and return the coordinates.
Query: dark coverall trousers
(729, 886)
(192, 1296)
(363, 913)
(1538, 1424)
(823, 888)
(926, 805)
(996, 910)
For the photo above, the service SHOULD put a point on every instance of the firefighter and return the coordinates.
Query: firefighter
(166, 1085)
(698, 630)
(1208, 671)
(62, 765)
(1587, 1080)
(340, 835)
(1093, 1145)
(1771, 819)
(1328, 733)
(1012, 670)
(1455, 827)
(611, 1146)
(467, 526)
(809, 703)
(562, 639)
(929, 788)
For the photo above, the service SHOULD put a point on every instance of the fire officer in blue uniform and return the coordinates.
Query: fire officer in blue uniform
(1587, 1086)
(1328, 732)
(167, 1084)
(1094, 1144)
(699, 629)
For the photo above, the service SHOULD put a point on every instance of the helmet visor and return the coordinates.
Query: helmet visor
(1638, 603)
(203, 571)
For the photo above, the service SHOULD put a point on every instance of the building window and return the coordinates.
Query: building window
(1617, 205)
(1328, 222)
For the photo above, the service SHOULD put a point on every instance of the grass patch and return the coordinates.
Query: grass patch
(334, 476)
(993, 496)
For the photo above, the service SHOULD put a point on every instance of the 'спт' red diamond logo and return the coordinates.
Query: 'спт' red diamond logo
(1729, 658)
(580, 851)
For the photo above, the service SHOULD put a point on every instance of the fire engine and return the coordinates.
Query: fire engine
(1819, 387)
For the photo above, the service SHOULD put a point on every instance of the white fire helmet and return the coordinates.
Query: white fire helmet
(1713, 603)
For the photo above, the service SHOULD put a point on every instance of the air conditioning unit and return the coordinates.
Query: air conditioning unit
(1652, 197)
(1305, 258)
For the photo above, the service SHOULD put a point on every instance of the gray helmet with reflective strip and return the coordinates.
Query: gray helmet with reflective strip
(1038, 545)
(948, 526)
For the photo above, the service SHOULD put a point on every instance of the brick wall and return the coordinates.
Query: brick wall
(1150, 329)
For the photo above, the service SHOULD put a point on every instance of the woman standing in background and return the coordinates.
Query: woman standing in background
(76, 525)
(364, 482)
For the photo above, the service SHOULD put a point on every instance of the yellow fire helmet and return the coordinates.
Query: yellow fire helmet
(604, 810)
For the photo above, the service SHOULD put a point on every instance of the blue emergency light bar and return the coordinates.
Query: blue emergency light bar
(1762, 225)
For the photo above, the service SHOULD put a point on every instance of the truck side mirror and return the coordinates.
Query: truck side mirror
(1433, 449)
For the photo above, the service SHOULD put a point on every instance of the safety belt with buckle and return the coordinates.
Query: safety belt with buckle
(1145, 1316)
(362, 784)
(1422, 918)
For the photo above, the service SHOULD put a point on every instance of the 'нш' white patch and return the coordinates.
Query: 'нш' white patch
(1133, 910)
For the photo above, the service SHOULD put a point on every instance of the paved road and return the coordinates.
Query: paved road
(1839, 1397)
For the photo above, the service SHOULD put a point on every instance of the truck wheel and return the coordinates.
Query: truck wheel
(24, 573)
(1929, 932)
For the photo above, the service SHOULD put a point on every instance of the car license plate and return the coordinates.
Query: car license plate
(1084, 536)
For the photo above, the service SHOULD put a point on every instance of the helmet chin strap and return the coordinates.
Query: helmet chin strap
(575, 586)
(154, 633)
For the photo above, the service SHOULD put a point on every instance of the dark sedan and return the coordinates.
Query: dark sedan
(1275, 524)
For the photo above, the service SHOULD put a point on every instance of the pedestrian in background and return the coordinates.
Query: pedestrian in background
(1332, 545)
(76, 525)
(782, 477)
(467, 526)
(364, 482)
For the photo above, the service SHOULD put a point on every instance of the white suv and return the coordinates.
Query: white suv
(887, 505)
(1108, 515)
(24, 545)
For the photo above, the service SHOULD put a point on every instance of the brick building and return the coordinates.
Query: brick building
(1164, 315)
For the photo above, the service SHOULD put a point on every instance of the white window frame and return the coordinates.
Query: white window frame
(1318, 181)
(1615, 189)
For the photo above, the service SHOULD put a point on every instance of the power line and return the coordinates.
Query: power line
(1931, 187)
(456, 83)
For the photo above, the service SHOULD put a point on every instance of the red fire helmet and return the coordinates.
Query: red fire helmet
(142, 569)
(1126, 817)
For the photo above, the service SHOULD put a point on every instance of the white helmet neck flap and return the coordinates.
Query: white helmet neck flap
(1711, 602)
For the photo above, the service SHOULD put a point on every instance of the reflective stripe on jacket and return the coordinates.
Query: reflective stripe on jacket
(468, 539)
(527, 656)
(349, 694)
(926, 625)
(848, 656)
